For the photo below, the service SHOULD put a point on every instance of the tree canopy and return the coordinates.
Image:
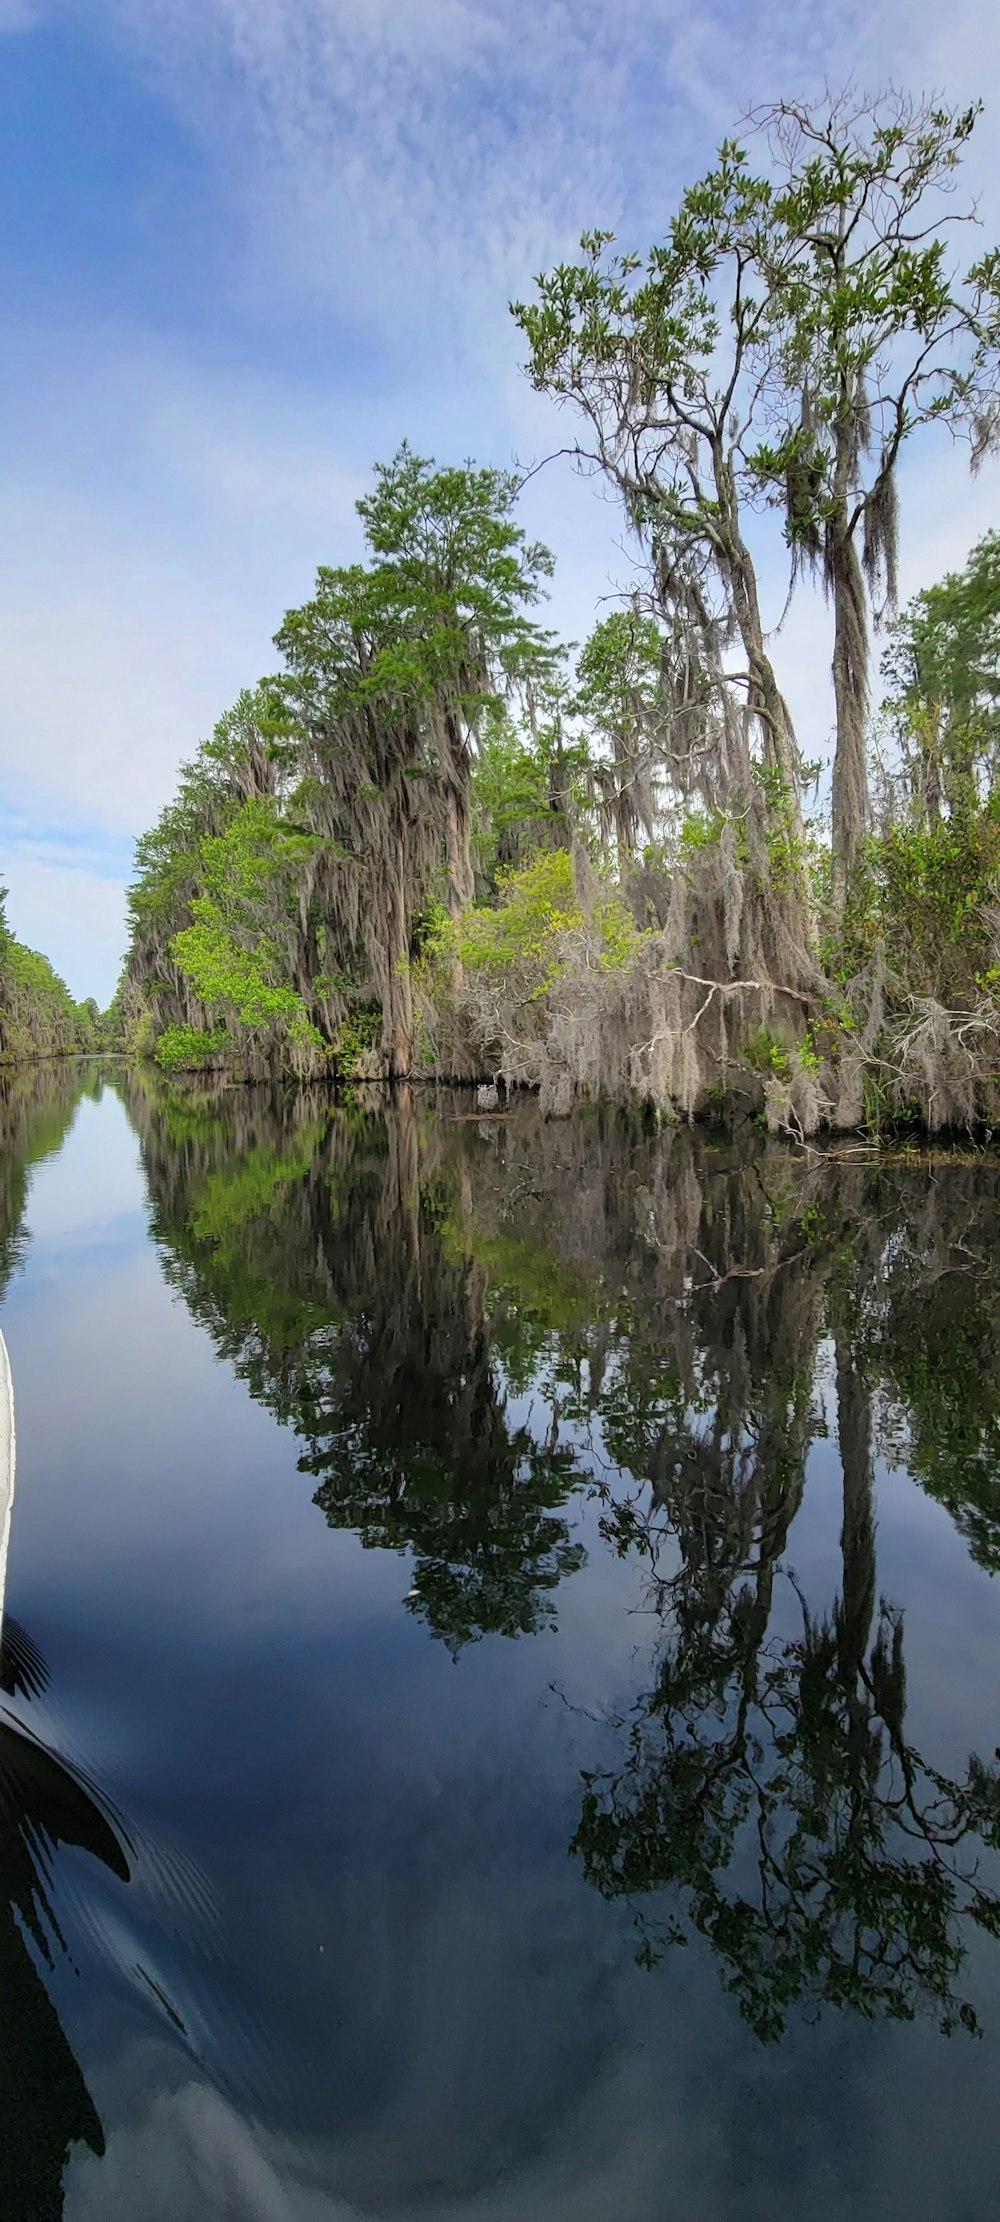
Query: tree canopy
(349, 877)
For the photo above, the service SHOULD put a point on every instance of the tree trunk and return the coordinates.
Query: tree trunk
(766, 698)
(458, 833)
(857, 1539)
(850, 682)
(929, 741)
(559, 797)
(397, 990)
(626, 818)
(458, 839)
(461, 880)
(458, 816)
(764, 694)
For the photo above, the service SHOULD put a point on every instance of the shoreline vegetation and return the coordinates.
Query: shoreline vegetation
(38, 1017)
(437, 843)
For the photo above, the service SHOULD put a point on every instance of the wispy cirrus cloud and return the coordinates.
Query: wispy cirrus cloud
(420, 161)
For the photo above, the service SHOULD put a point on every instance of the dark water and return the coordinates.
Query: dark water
(501, 1693)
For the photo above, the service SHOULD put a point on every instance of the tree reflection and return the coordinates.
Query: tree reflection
(467, 1323)
(37, 1106)
(928, 1320)
(385, 1279)
(769, 1790)
(328, 1261)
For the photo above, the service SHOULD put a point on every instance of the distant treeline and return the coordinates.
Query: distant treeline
(38, 1017)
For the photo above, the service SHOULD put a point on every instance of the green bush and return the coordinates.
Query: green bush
(926, 891)
(530, 938)
(360, 1032)
(765, 1053)
(187, 1048)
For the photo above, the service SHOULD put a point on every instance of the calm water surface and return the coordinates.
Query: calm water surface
(500, 1693)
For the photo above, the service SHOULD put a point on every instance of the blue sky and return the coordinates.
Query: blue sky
(248, 246)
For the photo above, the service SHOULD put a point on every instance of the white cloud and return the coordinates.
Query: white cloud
(114, 682)
(135, 602)
(413, 163)
(73, 913)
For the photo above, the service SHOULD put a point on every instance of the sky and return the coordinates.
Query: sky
(250, 245)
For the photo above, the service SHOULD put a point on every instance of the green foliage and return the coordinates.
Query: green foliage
(222, 972)
(700, 829)
(38, 1017)
(659, 311)
(529, 787)
(456, 573)
(926, 893)
(765, 1053)
(278, 892)
(510, 791)
(538, 908)
(141, 1037)
(228, 954)
(934, 884)
(529, 938)
(440, 608)
(431, 931)
(618, 674)
(357, 1039)
(786, 851)
(186, 1048)
(618, 936)
(943, 667)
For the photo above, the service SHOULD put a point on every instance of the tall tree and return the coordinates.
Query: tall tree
(348, 695)
(459, 576)
(787, 339)
(662, 355)
(873, 338)
(389, 671)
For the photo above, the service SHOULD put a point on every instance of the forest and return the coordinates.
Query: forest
(38, 1017)
(439, 842)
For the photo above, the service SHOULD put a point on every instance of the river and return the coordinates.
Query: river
(500, 1702)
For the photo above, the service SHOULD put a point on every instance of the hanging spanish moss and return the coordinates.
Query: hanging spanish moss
(435, 843)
